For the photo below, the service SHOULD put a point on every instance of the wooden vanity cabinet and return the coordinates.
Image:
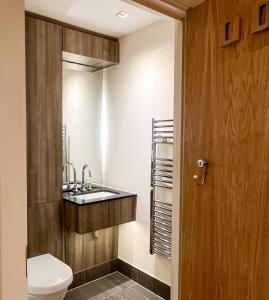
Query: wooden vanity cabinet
(96, 216)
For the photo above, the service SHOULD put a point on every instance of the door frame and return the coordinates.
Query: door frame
(178, 158)
(13, 171)
(178, 108)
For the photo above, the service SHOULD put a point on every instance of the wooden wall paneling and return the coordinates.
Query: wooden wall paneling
(70, 26)
(44, 110)
(225, 223)
(85, 251)
(45, 229)
(89, 49)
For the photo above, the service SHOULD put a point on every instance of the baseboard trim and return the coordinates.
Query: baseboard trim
(154, 285)
(94, 273)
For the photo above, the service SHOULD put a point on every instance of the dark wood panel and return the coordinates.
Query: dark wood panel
(45, 229)
(44, 110)
(70, 26)
(88, 218)
(99, 51)
(225, 223)
(85, 251)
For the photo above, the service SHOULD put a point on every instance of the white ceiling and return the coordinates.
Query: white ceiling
(96, 15)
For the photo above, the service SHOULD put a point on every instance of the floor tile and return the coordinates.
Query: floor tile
(112, 287)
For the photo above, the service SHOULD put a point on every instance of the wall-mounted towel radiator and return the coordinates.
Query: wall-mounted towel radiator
(161, 179)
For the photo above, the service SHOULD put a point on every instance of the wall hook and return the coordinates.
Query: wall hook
(202, 164)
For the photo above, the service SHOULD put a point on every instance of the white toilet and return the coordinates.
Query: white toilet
(48, 278)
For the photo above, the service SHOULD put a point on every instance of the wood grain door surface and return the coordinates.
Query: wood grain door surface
(225, 223)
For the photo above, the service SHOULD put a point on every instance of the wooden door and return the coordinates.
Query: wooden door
(225, 223)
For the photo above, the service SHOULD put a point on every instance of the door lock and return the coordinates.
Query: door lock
(202, 164)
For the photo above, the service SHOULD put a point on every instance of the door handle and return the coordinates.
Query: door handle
(201, 164)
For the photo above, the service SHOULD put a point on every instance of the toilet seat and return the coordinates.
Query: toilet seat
(47, 275)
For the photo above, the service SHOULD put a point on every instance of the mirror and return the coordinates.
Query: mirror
(82, 104)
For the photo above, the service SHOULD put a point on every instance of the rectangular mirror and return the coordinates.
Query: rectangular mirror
(82, 118)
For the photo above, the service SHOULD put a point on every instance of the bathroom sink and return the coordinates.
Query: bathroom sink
(95, 195)
(103, 207)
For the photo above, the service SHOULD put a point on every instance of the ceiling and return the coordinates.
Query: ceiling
(96, 15)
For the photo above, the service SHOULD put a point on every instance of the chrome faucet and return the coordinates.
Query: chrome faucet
(85, 186)
(74, 174)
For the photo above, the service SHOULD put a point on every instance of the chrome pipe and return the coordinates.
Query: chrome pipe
(163, 181)
(163, 159)
(161, 254)
(161, 244)
(162, 223)
(163, 170)
(163, 234)
(162, 121)
(163, 186)
(164, 208)
(163, 131)
(163, 165)
(163, 213)
(162, 218)
(163, 202)
(160, 249)
(166, 230)
(161, 239)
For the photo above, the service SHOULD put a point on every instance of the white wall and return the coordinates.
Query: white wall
(109, 114)
(140, 88)
(13, 195)
(82, 100)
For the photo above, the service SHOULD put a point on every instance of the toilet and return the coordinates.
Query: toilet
(48, 278)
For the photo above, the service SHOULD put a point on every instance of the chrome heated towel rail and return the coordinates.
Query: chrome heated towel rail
(161, 178)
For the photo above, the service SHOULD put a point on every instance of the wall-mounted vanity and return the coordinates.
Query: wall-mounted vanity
(99, 209)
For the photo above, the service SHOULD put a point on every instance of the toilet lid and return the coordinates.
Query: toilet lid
(47, 275)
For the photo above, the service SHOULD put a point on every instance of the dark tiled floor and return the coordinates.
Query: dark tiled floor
(112, 287)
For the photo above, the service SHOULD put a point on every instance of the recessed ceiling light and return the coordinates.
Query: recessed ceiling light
(122, 14)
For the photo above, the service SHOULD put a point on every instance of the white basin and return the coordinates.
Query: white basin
(96, 195)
